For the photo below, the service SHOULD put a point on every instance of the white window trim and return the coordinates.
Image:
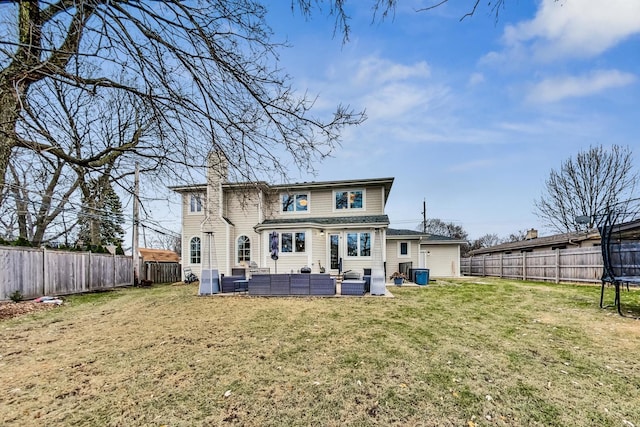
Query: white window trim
(238, 249)
(346, 244)
(348, 208)
(294, 211)
(202, 203)
(189, 250)
(293, 242)
(408, 255)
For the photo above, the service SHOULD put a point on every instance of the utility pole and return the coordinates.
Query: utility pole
(136, 216)
(424, 216)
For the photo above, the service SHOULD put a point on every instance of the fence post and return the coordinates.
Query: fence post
(524, 266)
(45, 271)
(483, 264)
(501, 264)
(558, 265)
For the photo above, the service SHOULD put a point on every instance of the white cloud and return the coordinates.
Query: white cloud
(556, 89)
(476, 79)
(577, 28)
(397, 101)
(376, 71)
(392, 93)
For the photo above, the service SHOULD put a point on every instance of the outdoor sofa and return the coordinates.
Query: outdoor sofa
(292, 284)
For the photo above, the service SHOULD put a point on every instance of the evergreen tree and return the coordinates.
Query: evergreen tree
(102, 218)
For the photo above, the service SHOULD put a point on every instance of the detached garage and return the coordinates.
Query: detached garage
(409, 249)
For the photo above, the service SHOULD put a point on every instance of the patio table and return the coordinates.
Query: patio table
(241, 285)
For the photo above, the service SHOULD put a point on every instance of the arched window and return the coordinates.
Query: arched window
(244, 249)
(195, 250)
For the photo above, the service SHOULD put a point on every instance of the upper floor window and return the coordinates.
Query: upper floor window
(293, 242)
(358, 244)
(194, 250)
(195, 203)
(244, 249)
(353, 199)
(298, 202)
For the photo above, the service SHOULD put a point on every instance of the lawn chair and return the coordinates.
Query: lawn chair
(189, 276)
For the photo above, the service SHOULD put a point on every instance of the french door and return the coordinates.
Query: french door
(334, 251)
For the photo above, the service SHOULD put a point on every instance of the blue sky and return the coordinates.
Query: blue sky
(470, 115)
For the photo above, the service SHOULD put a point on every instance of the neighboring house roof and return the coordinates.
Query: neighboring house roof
(396, 234)
(158, 255)
(381, 220)
(572, 238)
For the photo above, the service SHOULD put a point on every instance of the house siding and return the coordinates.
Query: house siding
(243, 210)
(236, 210)
(393, 258)
(359, 263)
(443, 260)
(288, 262)
(190, 229)
(321, 203)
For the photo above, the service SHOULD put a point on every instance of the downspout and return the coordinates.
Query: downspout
(228, 245)
(259, 255)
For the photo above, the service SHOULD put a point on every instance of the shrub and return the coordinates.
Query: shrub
(21, 241)
(16, 296)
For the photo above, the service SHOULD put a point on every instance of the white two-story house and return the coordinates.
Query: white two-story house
(331, 226)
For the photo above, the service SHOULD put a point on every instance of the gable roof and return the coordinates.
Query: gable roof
(158, 255)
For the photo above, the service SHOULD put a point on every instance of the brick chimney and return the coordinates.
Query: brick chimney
(531, 234)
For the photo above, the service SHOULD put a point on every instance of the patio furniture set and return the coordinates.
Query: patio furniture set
(313, 284)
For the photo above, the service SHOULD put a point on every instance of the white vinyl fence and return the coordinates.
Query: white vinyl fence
(35, 272)
(560, 265)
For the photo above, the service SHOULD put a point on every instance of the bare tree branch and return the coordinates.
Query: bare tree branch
(586, 185)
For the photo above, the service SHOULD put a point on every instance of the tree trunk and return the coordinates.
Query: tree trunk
(8, 119)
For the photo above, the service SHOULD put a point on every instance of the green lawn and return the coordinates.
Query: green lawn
(468, 352)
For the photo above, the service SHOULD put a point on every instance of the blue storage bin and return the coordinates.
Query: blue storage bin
(422, 276)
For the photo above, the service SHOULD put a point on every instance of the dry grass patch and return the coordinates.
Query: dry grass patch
(456, 353)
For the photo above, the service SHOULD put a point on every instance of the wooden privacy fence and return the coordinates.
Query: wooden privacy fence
(559, 265)
(35, 272)
(161, 272)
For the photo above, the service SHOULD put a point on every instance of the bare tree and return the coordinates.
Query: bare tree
(202, 75)
(485, 241)
(585, 186)
(41, 190)
(516, 236)
(208, 70)
(162, 239)
(440, 228)
(46, 192)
